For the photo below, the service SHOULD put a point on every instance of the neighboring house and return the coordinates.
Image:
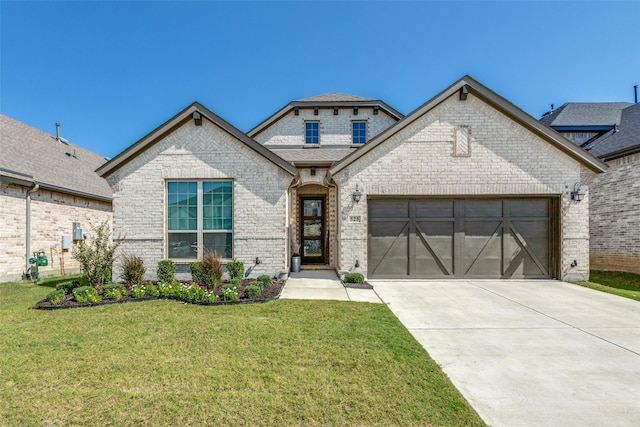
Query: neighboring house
(46, 185)
(467, 185)
(611, 132)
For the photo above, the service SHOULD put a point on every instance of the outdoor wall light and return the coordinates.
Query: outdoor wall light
(357, 195)
(464, 91)
(574, 263)
(197, 118)
(258, 261)
(357, 264)
(578, 193)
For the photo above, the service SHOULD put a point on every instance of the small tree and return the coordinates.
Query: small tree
(96, 257)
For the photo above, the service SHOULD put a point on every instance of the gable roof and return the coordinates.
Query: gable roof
(328, 100)
(178, 120)
(30, 156)
(496, 101)
(620, 141)
(585, 116)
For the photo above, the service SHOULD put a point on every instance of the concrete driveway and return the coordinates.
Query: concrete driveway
(529, 353)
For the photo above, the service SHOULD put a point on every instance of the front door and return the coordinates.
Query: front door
(312, 229)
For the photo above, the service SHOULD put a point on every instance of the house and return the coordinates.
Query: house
(467, 185)
(611, 132)
(47, 185)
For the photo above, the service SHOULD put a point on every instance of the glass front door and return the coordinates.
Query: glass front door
(312, 229)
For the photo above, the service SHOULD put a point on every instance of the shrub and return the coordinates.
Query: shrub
(169, 289)
(210, 297)
(265, 280)
(114, 291)
(96, 258)
(68, 287)
(197, 272)
(253, 290)
(212, 270)
(233, 282)
(151, 289)
(230, 293)
(354, 278)
(193, 292)
(55, 297)
(133, 270)
(85, 294)
(235, 269)
(166, 270)
(138, 291)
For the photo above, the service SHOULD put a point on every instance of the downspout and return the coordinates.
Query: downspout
(35, 188)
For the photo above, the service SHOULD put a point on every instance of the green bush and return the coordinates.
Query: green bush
(253, 290)
(138, 291)
(166, 270)
(68, 287)
(232, 282)
(230, 293)
(114, 291)
(265, 280)
(133, 270)
(354, 278)
(85, 294)
(151, 289)
(96, 257)
(235, 269)
(197, 272)
(169, 289)
(55, 297)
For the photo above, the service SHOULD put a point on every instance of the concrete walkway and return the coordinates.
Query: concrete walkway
(324, 285)
(529, 353)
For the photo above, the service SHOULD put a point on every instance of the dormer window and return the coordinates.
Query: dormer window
(312, 133)
(358, 133)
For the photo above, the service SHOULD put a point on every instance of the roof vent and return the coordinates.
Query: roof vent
(58, 132)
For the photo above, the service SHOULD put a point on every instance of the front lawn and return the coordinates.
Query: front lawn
(614, 282)
(164, 362)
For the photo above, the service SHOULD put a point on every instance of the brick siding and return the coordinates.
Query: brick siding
(190, 152)
(615, 216)
(504, 159)
(52, 216)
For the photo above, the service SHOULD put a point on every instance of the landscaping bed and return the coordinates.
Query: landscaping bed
(269, 293)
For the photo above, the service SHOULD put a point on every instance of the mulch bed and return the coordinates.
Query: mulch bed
(269, 293)
(364, 285)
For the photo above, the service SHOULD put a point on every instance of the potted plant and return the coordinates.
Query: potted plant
(295, 257)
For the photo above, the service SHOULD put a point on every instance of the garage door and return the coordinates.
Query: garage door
(461, 238)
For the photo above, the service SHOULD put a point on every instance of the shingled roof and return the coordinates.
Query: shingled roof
(585, 114)
(334, 97)
(31, 156)
(622, 140)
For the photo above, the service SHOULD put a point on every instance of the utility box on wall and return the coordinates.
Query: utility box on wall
(77, 231)
(66, 243)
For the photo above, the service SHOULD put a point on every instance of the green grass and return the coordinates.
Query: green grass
(614, 282)
(162, 362)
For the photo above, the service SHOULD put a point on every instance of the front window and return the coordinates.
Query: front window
(199, 218)
(359, 132)
(312, 135)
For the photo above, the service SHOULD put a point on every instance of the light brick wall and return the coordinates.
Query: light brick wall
(334, 130)
(504, 159)
(52, 216)
(615, 216)
(203, 152)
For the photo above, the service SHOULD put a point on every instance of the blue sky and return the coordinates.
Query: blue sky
(112, 71)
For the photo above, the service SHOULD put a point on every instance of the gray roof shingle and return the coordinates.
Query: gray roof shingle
(334, 97)
(53, 164)
(586, 114)
(625, 140)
